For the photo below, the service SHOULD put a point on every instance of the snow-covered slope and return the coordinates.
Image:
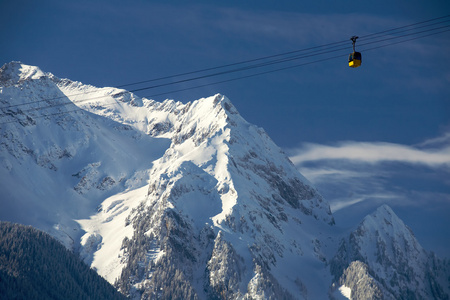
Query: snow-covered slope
(59, 162)
(185, 200)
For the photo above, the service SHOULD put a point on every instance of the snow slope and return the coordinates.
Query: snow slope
(187, 200)
(59, 163)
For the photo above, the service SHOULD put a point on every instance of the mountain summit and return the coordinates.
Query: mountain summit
(183, 200)
(382, 259)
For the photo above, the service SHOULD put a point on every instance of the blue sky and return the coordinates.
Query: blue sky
(367, 136)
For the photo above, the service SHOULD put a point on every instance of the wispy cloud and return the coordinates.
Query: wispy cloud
(373, 153)
(438, 141)
(354, 173)
(339, 204)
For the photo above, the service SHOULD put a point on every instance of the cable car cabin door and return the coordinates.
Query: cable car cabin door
(354, 60)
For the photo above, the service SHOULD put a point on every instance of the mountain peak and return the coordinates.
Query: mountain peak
(384, 230)
(225, 103)
(16, 71)
(385, 211)
(385, 220)
(399, 267)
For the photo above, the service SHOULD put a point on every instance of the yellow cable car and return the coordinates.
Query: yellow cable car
(354, 59)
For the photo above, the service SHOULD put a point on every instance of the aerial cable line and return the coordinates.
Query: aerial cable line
(272, 62)
(311, 54)
(228, 71)
(222, 81)
(231, 64)
(249, 76)
(240, 69)
(246, 62)
(409, 34)
(392, 31)
(236, 70)
(188, 73)
(233, 79)
(405, 26)
(226, 80)
(281, 54)
(292, 66)
(283, 68)
(167, 84)
(263, 64)
(392, 36)
(245, 68)
(174, 91)
(407, 40)
(287, 59)
(296, 57)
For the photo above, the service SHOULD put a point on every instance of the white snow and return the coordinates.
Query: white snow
(345, 291)
(109, 224)
(30, 72)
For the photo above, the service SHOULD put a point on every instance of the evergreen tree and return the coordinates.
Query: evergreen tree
(33, 265)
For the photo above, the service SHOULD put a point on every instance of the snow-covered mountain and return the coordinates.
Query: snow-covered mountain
(382, 259)
(174, 200)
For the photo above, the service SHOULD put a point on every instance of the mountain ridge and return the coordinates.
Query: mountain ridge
(167, 199)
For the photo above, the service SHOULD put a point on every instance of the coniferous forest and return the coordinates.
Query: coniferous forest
(33, 265)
